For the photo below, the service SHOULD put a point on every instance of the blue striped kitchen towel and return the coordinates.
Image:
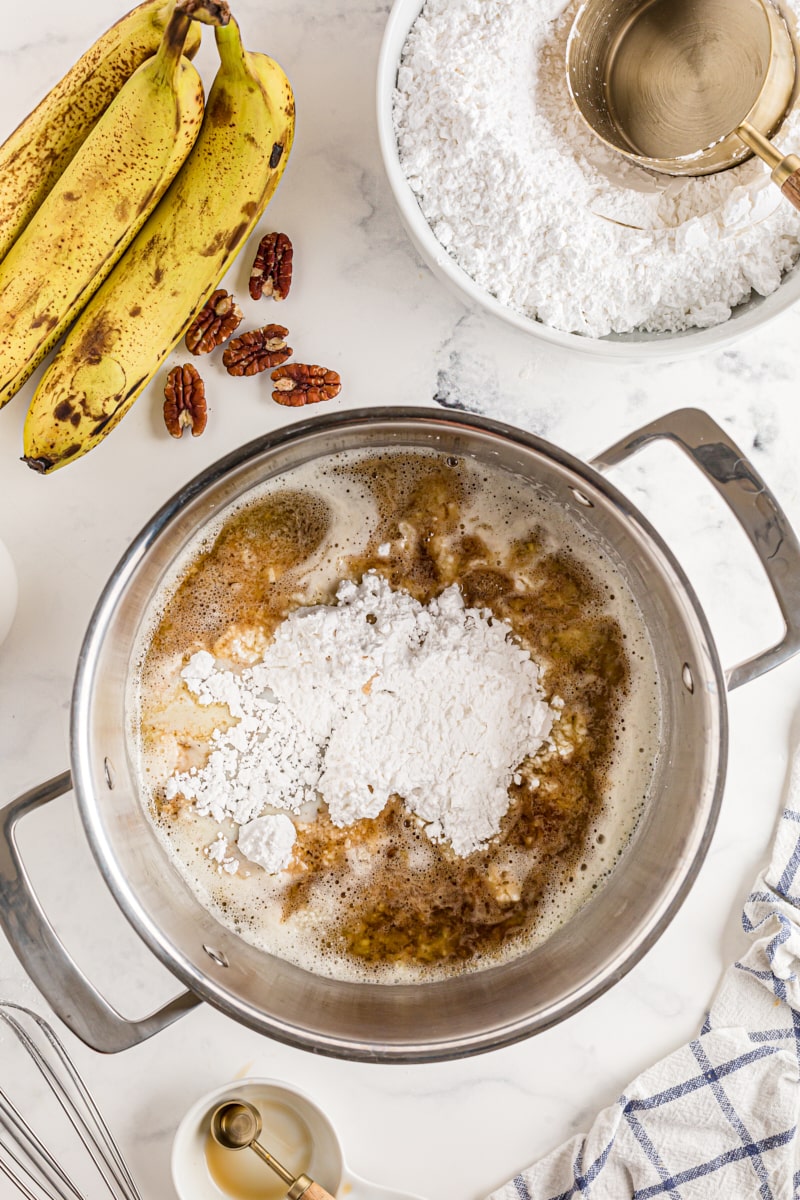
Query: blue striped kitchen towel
(719, 1117)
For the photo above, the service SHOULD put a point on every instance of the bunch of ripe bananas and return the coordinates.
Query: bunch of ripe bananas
(122, 204)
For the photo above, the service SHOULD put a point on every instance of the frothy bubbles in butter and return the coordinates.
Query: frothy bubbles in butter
(376, 898)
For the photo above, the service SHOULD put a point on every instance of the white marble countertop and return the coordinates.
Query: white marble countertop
(363, 304)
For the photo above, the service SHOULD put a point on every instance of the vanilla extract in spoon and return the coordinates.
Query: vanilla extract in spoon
(236, 1125)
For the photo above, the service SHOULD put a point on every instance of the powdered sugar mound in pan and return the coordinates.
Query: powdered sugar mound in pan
(375, 696)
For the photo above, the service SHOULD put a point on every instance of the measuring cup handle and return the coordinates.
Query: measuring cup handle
(313, 1192)
(37, 946)
(753, 505)
(791, 189)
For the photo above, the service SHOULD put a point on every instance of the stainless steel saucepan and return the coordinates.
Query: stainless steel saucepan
(470, 1013)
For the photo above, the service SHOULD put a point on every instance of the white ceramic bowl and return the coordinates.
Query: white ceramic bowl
(629, 346)
(190, 1172)
(300, 1123)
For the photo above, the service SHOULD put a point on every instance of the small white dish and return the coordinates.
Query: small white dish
(8, 592)
(300, 1131)
(631, 346)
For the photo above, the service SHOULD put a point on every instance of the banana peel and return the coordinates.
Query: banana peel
(174, 263)
(98, 205)
(36, 154)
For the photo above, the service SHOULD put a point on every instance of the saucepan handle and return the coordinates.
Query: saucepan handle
(35, 942)
(753, 505)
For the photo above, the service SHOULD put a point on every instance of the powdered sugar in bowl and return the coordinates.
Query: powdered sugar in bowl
(698, 262)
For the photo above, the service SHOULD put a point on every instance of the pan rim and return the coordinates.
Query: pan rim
(442, 1048)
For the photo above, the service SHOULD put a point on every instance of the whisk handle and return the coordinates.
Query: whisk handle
(72, 997)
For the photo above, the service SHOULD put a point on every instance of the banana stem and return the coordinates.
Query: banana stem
(169, 52)
(168, 55)
(210, 12)
(231, 50)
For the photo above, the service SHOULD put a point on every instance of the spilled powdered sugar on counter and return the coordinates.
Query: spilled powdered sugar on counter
(375, 696)
(546, 219)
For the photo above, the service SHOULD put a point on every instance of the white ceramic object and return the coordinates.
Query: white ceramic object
(327, 1165)
(8, 592)
(629, 346)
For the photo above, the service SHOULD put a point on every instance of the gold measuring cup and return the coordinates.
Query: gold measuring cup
(686, 87)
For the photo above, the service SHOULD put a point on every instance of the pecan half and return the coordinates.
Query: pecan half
(297, 384)
(272, 270)
(257, 351)
(185, 401)
(214, 324)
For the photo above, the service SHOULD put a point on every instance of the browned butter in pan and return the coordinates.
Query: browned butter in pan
(378, 900)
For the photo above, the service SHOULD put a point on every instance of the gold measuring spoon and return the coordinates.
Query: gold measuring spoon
(236, 1125)
(686, 87)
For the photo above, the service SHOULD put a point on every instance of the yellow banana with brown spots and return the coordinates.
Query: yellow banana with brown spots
(101, 201)
(34, 156)
(174, 264)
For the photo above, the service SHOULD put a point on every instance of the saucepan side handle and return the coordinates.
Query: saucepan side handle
(753, 505)
(35, 942)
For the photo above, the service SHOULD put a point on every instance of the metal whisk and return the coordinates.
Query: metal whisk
(24, 1158)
